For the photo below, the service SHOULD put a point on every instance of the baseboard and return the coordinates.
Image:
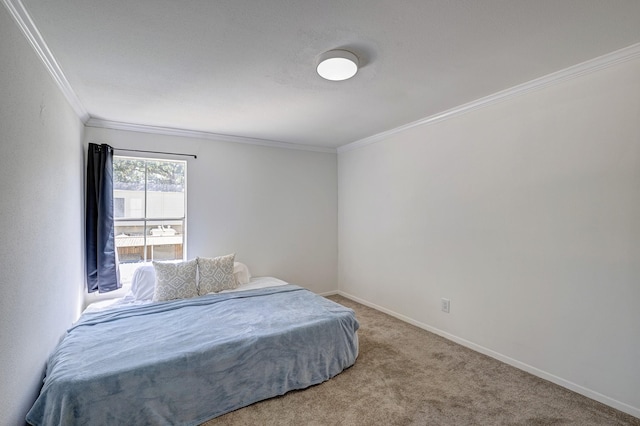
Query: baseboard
(626, 408)
(329, 293)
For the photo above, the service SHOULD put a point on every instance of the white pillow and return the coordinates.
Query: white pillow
(175, 280)
(216, 274)
(241, 272)
(143, 282)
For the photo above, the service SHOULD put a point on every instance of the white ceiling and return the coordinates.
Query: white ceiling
(247, 68)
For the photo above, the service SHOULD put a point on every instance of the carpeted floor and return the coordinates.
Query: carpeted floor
(407, 376)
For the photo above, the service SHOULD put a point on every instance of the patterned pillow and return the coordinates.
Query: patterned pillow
(216, 274)
(175, 280)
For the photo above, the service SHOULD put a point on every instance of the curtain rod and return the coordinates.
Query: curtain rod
(155, 152)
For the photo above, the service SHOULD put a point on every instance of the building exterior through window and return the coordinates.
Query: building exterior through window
(149, 211)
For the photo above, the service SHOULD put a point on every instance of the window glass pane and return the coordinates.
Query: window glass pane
(129, 185)
(165, 240)
(130, 241)
(165, 189)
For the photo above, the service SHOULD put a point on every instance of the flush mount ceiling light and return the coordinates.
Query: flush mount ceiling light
(337, 65)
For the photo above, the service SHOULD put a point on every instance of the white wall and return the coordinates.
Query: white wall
(41, 190)
(275, 208)
(526, 215)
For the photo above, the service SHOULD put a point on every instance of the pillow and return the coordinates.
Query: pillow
(175, 280)
(216, 274)
(241, 272)
(143, 282)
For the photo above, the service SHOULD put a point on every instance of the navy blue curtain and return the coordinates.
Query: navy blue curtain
(101, 255)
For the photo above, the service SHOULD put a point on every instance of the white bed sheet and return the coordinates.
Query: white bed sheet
(128, 300)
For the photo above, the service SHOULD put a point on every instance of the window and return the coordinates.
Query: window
(118, 207)
(149, 211)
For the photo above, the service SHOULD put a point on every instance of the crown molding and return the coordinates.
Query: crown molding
(587, 67)
(168, 131)
(28, 27)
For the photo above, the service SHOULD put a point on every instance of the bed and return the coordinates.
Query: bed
(186, 361)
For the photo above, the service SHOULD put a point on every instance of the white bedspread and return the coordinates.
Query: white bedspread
(128, 300)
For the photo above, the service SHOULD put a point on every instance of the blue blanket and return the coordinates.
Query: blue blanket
(187, 361)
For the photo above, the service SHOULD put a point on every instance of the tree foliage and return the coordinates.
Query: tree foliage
(129, 174)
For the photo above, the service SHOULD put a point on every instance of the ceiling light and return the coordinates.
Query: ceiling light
(337, 65)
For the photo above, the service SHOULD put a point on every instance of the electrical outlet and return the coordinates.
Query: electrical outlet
(444, 304)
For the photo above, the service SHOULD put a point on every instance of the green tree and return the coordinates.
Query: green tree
(162, 175)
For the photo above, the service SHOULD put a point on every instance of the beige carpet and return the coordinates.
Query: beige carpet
(407, 376)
